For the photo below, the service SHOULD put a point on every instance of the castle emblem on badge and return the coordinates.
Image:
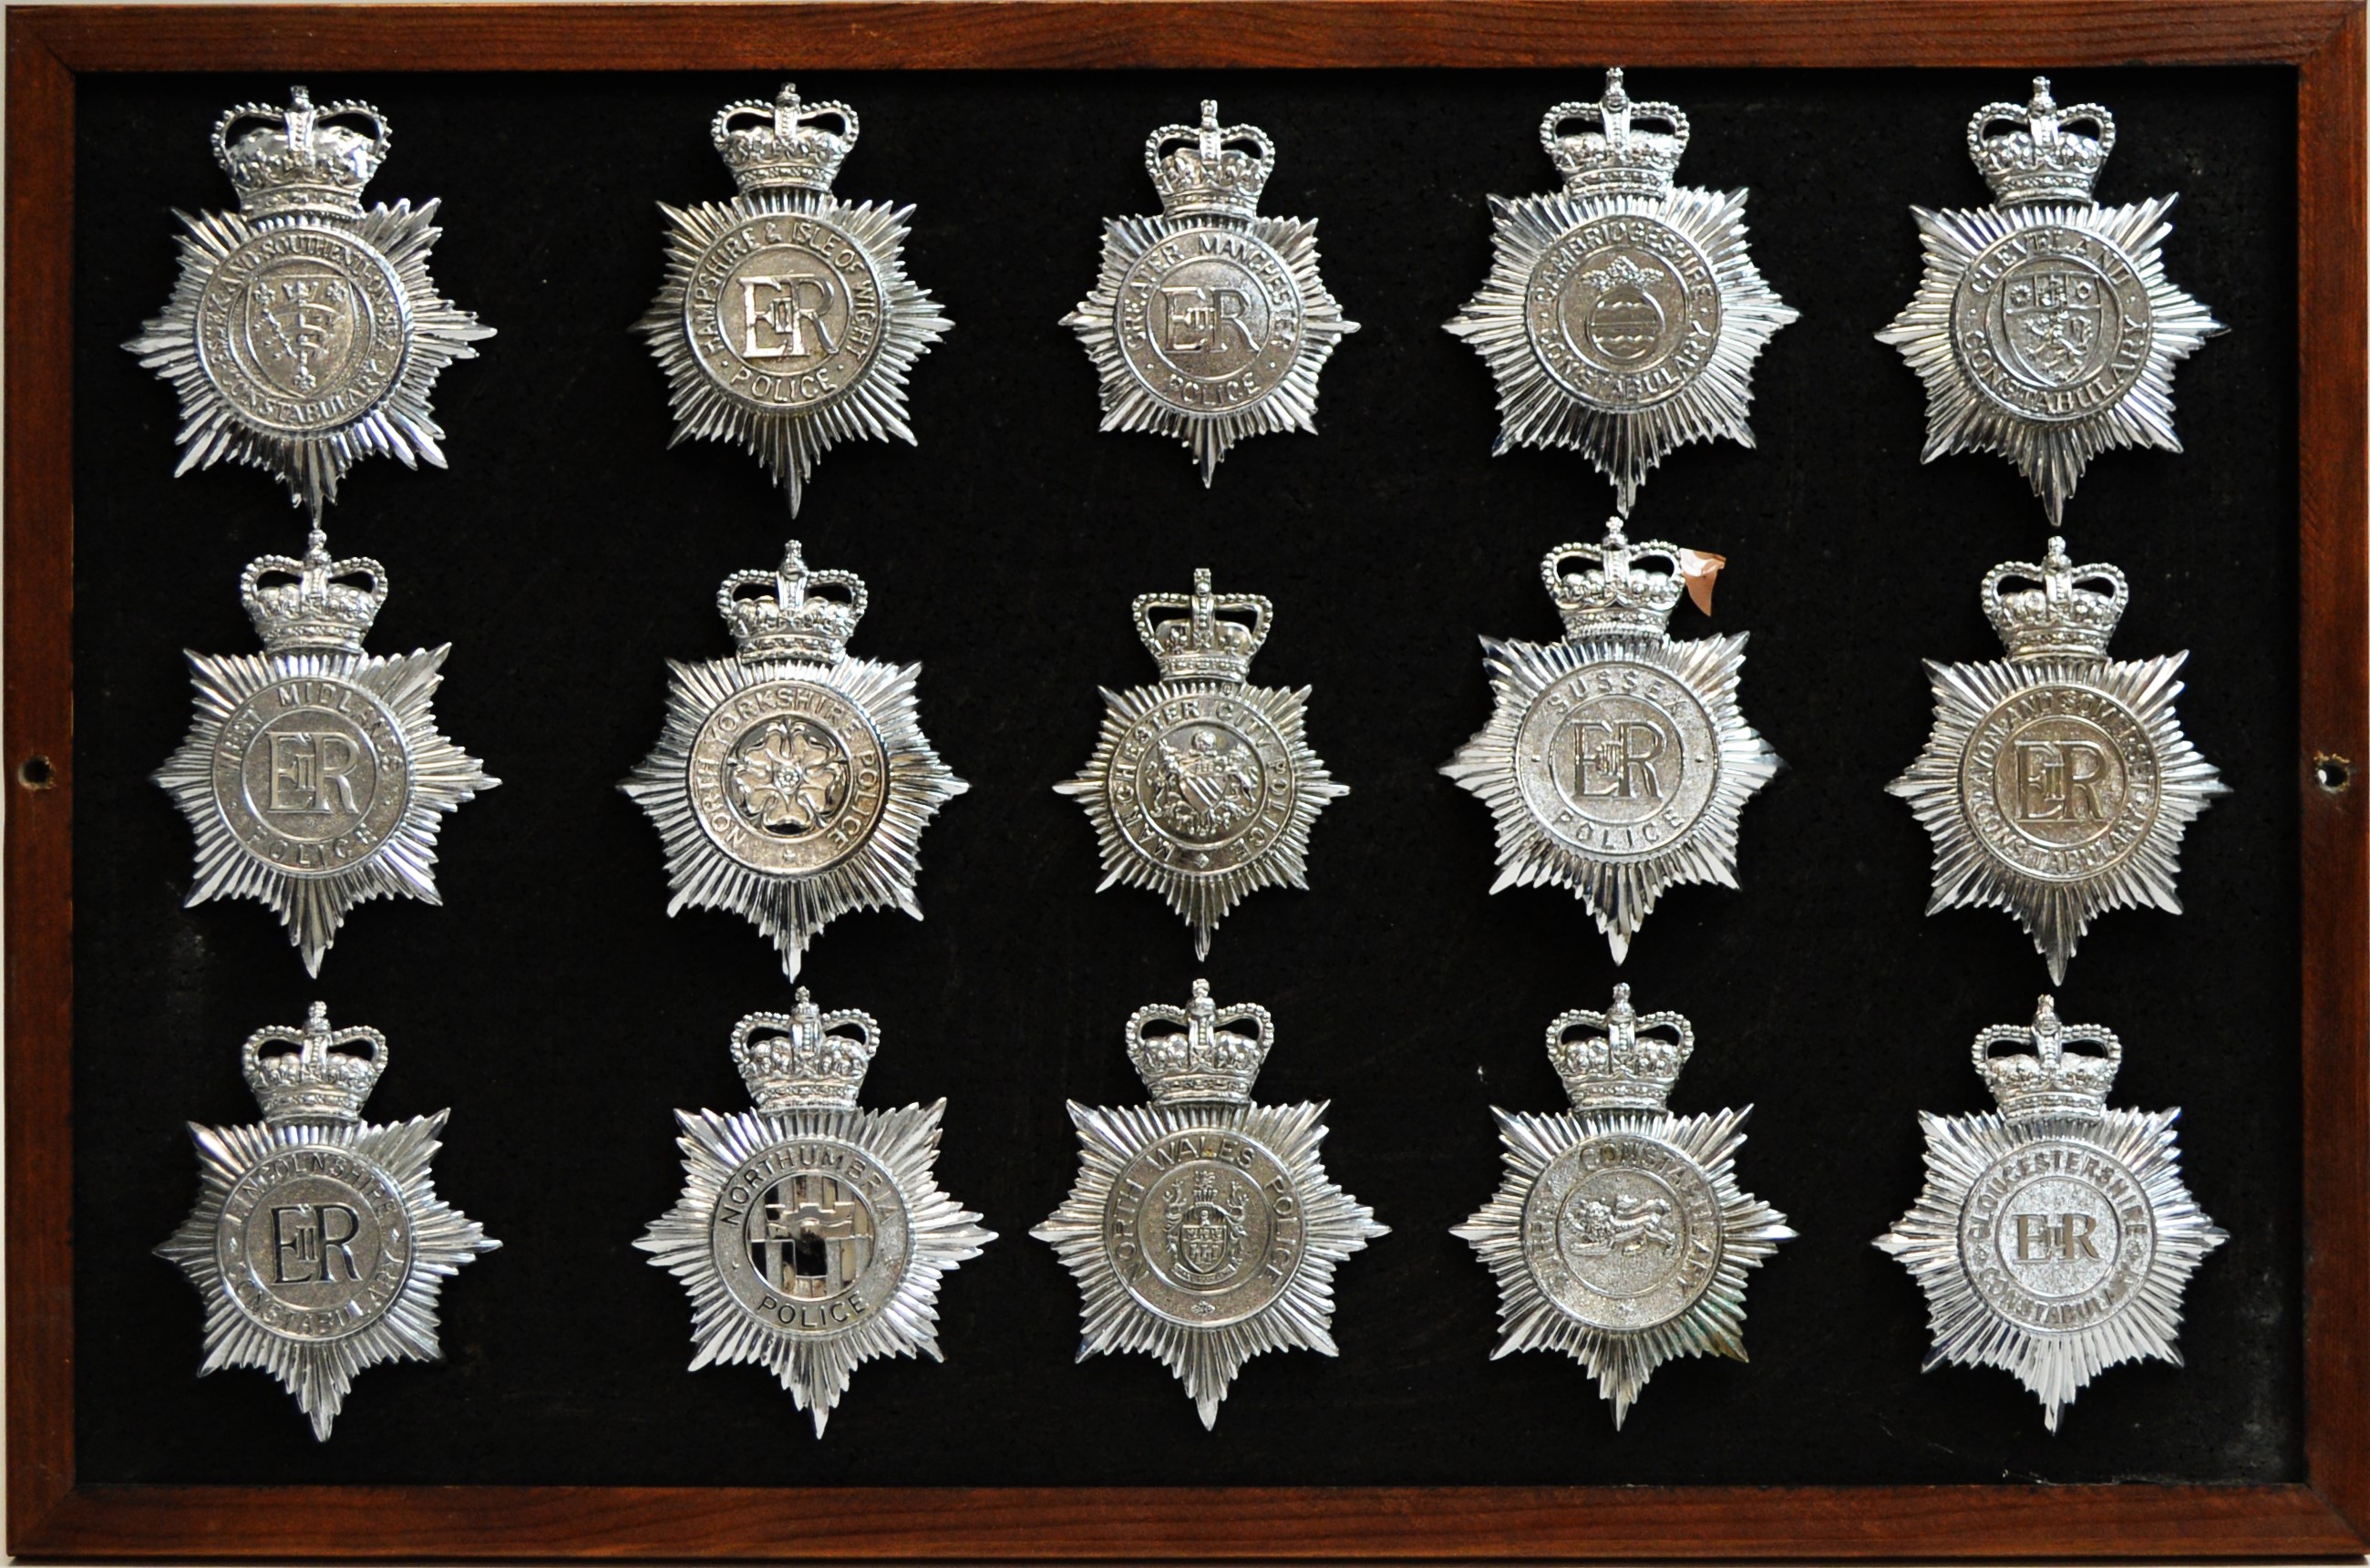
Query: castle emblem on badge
(318, 1241)
(1202, 787)
(2054, 1238)
(314, 775)
(2044, 329)
(1617, 761)
(304, 333)
(792, 783)
(785, 323)
(812, 1235)
(1203, 1229)
(2056, 783)
(1209, 323)
(1622, 315)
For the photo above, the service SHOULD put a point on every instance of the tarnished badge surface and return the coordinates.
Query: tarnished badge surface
(785, 323)
(1203, 1229)
(1619, 1236)
(1202, 787)
(812, 1235)
(2054, 1238)
(2045, 327)
(318, 1241)
(792, 782)
(304, 333)
(314, 774)
(1209, 323)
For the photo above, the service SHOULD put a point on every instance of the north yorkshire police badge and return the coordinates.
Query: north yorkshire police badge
(318, 1241)
(811, 1235)
(1203, 1229)
(2054, 1238)
(1619, 1236)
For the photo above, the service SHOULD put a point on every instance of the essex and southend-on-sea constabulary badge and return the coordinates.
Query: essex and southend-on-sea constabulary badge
(318, 1241)
(811, 1235)
(1203, 1229)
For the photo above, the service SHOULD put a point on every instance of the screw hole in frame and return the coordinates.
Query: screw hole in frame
(36, 773)
(2333, 774)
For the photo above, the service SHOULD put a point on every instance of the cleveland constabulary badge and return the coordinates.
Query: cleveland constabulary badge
(2054, 1238)
(304, 333)
(1202, 787)
(1617, 761)
(1623, 314)
(318, 1241)
(314, 774)
(1619, 1236)
(1203, 1229)
(2056, 783)
(811, 1235)
(792, 783)
(785, 323)
(1209, 323)
(2044, 329)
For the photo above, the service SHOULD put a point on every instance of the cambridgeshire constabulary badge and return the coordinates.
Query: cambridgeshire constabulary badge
(1203, 1229)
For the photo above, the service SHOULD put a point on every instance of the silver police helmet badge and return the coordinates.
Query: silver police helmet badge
(2054, 1238)
(2044, 329)
(1209, 323)
(1619, 1236)
(1202, 787)
(785, 323)
(2056, 783)
(792, 783)
(318, 1241)
(1203, 1229)
(304, 333)
(812, 1235)
(314, 774)
(1623, 314)
(1617, 761)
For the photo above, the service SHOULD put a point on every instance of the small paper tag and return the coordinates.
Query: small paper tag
(1699, 572)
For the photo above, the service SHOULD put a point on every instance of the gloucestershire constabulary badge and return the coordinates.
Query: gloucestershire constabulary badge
(1617, 761)
(2044, 329)
(1209, 323)
(314, 774)
(785, 323)
(2054, 1238)
(1619, 1236)
(792, 783)
(1203, 1229)
(811, 1235)
(318, 1241)
(304, 333)
(2056, 783)
(1202, 787)
(1623, 314)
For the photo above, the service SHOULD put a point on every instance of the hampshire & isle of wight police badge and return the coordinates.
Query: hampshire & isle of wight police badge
(318, 1241)
(1209, 323)
(1619, 1236)
(1203, 1229)
(304, 333)
(2054, 1238)
(314, 774)
(812, 1235)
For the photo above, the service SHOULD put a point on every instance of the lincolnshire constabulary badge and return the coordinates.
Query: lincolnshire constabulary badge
(792, 783)
(318, 1241)
(1619, 1236)
(811, 1235)
(1203, 1229)
(785, 323)
(1202, 787)
(2044, 329)
(304, 333)
(314, 774)
(1209, 323)
(2054, 1238)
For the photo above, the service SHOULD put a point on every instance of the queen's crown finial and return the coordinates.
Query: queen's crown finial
(301, 159)
(1624, 148)
(325, 1078)
(2043, 1078)
(2031, 152)
(1199, 1052)
(1202, 636)
(1627, 1067)
(784, 149)
(1207, 170)
(314, 602)
(787, 618)
(805, 1060)
(1614, 593)
(2061, 613)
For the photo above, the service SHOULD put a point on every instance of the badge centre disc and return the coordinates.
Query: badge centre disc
(1623, 1232)
(2052, 323)
(2061, 781)
(1624, 312)
(1210, 318)
(303, 329)
(315, 1244)
(1204, 773)
(1204, 1227)
(313, 773)
(788, 776)
(811, 1237)
(2058, 1235)
(784, 311)
(1618, 759)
